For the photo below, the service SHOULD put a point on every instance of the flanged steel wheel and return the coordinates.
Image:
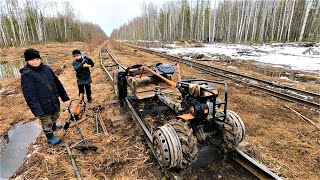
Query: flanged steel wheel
(115, 83)
(234, 131)
(175, 145)
(120, 85)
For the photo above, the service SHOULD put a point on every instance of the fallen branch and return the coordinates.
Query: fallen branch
(303, 117)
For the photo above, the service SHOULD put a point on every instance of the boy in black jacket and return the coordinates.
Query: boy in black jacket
(81, 65)
(41, 89)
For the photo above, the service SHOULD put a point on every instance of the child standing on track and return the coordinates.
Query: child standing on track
(81, 65)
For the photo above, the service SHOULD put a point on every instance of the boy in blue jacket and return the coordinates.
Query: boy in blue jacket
(81, 65)
(41, 89)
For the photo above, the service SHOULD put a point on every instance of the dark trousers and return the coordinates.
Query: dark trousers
(88, 89)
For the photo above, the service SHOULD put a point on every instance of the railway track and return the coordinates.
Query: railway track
(282, 91)
(257, 169)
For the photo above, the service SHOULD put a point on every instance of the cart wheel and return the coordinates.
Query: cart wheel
(120, 85)
(233, 133)
(175, 145)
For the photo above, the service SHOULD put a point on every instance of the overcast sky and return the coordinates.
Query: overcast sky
(109, 14)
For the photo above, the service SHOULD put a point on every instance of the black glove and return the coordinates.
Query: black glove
(84, 60)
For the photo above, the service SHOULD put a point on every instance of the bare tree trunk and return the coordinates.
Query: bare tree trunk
(203, 20)
(283, 19)
(313, 22)
(248, 23)
(4, 37)
(254, 28)
(14, 40)
(279, 25)
(290, 21)
(209, 28)
(229, 24)
(308, 5)
(274, 10)
(182, 21)
(214, 27)
(242, 22)
(263, 19)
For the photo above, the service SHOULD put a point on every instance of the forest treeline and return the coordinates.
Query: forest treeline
(230, 21)
(25, 22)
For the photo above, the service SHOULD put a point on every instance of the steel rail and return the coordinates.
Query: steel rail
(230, 75)
(120, 65)
(104, 68)
(239, 156)
(259, 170)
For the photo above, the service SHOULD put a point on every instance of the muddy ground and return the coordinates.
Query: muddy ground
(278, 138)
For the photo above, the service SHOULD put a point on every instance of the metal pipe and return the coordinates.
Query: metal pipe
(75, 167)
(79, 130)
(97, 123)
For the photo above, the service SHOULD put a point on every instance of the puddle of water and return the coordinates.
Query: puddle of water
(11, 69)
(20, 138)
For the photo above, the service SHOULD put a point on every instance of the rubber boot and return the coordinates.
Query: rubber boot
(56, 126)
(90, 99)
(52, 139)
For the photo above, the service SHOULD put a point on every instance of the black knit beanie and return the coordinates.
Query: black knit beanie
(30, 54)
(74, 52)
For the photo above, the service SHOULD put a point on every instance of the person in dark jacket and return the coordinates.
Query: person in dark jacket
(81, 65)
(41, 89)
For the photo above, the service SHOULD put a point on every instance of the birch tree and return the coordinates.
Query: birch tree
(231, 21)
(307, 9)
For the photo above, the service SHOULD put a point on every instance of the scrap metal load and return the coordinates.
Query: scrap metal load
(198, 115)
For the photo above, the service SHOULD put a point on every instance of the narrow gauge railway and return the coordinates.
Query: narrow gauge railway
(308, 98)
(111, 65)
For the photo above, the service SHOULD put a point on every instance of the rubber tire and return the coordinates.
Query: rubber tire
(188, 142)
(233, 133)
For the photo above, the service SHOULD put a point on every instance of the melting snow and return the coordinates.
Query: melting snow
(285, 78)
(298, 58)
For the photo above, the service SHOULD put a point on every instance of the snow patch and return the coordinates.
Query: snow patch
(297, 58)
(285, 78)
(300, 95)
